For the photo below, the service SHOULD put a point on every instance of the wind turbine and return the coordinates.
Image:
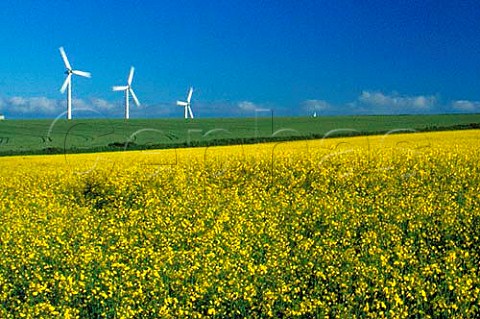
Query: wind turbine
(68, 81)
(128, 90)
(188, 109)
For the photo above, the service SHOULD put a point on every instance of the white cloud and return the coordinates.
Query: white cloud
(253, 108)
(378, 102)
(316, 106)
(247, 106)
(466, 106)
(103, 105)
(43, 105)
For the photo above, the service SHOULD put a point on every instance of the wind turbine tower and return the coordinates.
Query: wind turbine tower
(187, 104)
(67, 84)
(128, 90)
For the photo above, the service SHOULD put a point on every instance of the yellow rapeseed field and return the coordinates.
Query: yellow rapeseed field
(370, 227)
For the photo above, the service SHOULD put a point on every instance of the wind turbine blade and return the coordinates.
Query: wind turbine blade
(181, 103)
(120, 88)
(134, 97)
(66, 83)
(64, 57)
(190, 94)
(82, 73)
(130, 76)
(190, 111)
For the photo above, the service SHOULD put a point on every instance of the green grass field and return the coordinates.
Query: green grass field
(18, 137)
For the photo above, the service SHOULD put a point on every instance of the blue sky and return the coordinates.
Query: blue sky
(296, 57)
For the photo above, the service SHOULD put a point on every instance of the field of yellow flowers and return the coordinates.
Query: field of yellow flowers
(372, 227)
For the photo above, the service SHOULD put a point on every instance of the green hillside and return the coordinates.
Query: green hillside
(90, 135)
